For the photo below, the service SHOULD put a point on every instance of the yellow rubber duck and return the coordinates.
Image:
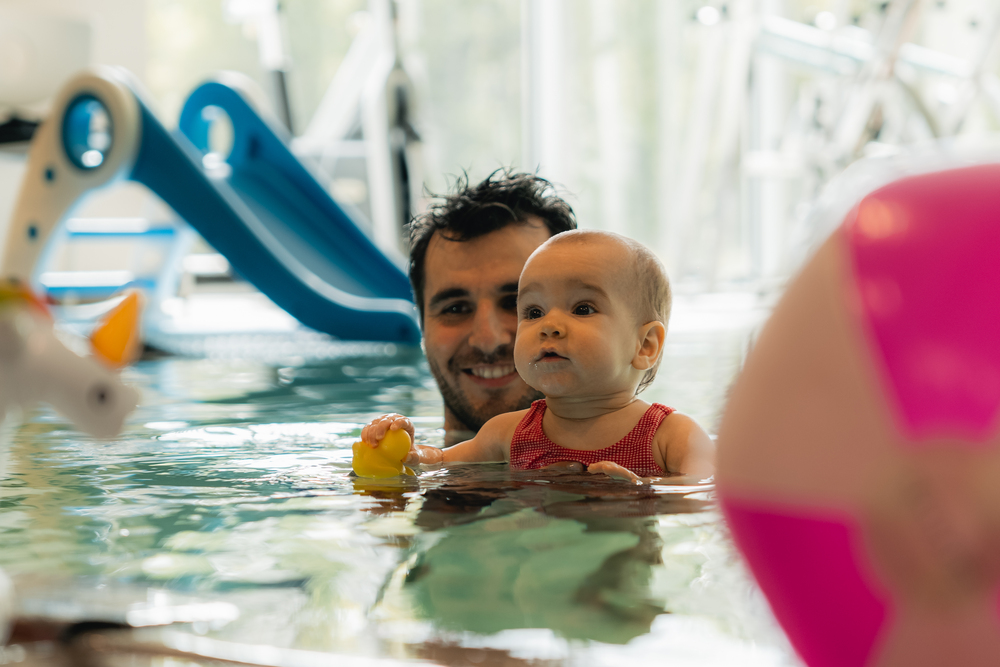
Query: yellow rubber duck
(386, 460)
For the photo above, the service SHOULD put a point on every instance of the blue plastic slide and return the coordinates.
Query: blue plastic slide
(265, 212)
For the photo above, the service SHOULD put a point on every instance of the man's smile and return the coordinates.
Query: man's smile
(491, 375)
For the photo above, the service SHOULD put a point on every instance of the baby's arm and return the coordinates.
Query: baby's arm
(686, 449)
(492, 443)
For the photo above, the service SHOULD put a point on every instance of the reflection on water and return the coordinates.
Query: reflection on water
(574, 556)
(232, 483)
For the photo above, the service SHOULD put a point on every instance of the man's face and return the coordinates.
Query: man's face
(470, 318)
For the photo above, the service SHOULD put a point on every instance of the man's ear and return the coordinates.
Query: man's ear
(651, 337)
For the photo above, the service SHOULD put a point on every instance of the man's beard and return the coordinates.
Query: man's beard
(473, 417)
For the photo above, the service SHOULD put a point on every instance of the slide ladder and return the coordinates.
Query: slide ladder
(262, 209)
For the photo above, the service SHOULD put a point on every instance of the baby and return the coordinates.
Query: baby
(592, 310)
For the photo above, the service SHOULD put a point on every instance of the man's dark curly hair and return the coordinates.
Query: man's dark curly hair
(503, 198)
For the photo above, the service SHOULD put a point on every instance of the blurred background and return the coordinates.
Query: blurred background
(705, 129)
(715, 131)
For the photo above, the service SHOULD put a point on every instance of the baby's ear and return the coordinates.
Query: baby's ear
(651, 337)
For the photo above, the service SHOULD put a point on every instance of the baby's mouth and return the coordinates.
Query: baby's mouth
(490, 372)
(549, 355)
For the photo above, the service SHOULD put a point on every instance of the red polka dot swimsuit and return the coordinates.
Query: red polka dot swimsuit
(530, 448)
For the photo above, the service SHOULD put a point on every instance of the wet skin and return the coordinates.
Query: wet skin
(578, 334)
(581, 340)
(470, 320)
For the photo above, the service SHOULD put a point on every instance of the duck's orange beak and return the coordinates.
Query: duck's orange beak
(116, 340)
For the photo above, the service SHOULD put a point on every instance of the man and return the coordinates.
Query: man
(466, 254)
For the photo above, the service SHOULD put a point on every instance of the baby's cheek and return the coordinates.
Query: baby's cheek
(523, 367)
(522, 356)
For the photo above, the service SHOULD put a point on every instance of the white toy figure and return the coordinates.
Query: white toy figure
(35, 366)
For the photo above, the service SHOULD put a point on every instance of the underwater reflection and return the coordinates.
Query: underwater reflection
(564, 494)
(390, 495)
(504, 550)
(530, 570)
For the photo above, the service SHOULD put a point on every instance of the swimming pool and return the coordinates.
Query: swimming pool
(231, 485)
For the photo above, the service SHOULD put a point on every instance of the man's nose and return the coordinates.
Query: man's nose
(492, 328)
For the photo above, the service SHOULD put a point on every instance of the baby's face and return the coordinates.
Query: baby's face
(576, 330)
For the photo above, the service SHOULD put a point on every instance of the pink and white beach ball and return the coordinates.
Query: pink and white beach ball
(859, 454)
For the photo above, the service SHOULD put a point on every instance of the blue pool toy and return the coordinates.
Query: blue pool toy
(262, 209)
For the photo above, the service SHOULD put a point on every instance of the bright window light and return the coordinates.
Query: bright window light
(826, 21)
(708, 15)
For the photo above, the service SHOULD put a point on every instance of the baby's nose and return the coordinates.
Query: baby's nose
(553, 328)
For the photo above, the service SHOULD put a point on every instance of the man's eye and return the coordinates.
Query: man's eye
(584, 309)
(459, 308)
(509, 303)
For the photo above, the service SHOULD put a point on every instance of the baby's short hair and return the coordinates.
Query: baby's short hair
(651, 299)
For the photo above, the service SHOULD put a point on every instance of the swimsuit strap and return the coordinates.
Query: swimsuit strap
(531, 448)
(530, 427)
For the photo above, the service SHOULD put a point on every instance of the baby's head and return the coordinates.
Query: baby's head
(610, 291)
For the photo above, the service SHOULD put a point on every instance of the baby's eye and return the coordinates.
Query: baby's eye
(532, 313)
(584, 309)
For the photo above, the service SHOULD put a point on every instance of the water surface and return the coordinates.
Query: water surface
(232, 483)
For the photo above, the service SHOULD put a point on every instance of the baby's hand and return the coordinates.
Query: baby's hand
(378, 427)
(616, 471)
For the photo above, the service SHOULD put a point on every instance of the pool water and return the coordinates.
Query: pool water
(232, 483)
